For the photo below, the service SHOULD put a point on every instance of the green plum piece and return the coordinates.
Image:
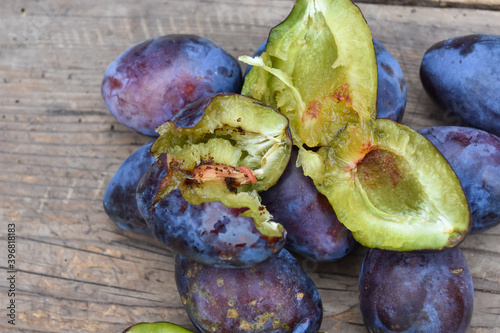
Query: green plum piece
(158, 327)
(227, 148)
(391, 187)
(319, 69)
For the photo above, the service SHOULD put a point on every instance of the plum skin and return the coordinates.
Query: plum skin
(209, 233)
(150, 82)
(119, 199)
(460, 76)
(313, 229)
(276, 295)
(474, 155)
(392, 91)
(416, 292)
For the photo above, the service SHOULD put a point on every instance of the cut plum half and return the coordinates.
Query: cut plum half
(225, 148)
(319, 69)
(158, 327)
(391, 187)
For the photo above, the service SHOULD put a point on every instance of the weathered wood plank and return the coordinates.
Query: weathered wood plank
(77, 271)
(471, 4)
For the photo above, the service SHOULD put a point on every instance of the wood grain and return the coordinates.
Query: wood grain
(77, 271)
(471, 4)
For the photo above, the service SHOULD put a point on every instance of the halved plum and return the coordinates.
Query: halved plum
(158, 327)
(319, 69)
(391, 187)
(238, 145)
(391, 92)
(201, 196)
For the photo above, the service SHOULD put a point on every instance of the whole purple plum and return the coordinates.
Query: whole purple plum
(313, 229)
(474, 155)
(119, 198)
(151, 81)
(416, 292)
(461, 75)
(274, 296)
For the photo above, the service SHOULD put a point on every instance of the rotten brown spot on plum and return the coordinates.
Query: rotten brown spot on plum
(231, 176)
(461, 138)
(235, 212)
(379, 167)
(240, 130)
(365, 148)
(230, 184)
(114, 83)
(183, 208)
(189, 88)
(343, 94)
(312, 111)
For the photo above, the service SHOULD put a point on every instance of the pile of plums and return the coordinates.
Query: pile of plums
(305, 154)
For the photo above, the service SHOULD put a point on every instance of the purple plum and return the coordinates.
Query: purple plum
(151, 81)
(416, 292)
(474, 155)
(274, 296)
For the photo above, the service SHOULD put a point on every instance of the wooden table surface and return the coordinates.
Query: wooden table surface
(75, 271)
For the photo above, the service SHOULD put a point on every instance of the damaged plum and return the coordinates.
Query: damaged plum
(201, 196)
(274, 296)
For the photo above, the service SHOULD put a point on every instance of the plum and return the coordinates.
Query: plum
(209, 232)
(119, 198)
(201, 196)
(319, 70)
(474, 155)
(274, 296)
(150, 82)
(313, 229)
(387, 184)
(461, 75)
(391, 92)
(416, 292)
(390, 187)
